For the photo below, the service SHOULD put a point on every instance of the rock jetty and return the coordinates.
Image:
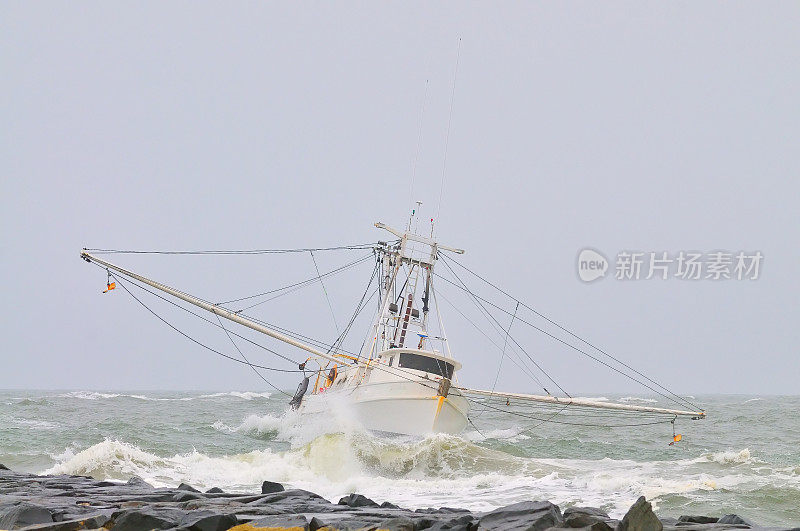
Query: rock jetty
(69, 503)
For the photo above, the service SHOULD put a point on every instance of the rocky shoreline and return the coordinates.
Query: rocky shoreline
(68, 503)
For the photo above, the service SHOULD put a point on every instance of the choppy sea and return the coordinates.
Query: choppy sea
(744, 458)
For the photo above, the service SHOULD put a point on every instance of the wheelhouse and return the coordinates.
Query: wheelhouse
(433, 364)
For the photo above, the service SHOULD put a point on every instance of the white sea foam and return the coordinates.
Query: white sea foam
(96, 395)
(638, 399)
(244, 395)
(438, 470)
(88, 395)
(728, 457)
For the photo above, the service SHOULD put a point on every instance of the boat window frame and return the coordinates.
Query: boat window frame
(430, 368)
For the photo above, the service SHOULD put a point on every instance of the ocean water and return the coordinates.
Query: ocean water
(745, 458)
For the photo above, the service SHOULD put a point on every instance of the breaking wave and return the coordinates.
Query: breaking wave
(96, 395)
(246, 395)
(637, 399)
(434, 471)
(728, 457)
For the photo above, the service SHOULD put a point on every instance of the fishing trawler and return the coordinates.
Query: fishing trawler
(405, 379)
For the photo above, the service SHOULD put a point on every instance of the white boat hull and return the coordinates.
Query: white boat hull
(406, 408)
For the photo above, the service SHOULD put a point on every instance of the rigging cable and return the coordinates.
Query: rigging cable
(570, 332)
(327, 298)
(503, 355)
(259, 345)
(447, 135)
(477, 301)
(359, 308)
(235, 251)
(248, 361)
(615, 369)
(521, 367)
(187, 336)
(302, 283)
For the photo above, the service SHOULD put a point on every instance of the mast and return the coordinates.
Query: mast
(400, 309)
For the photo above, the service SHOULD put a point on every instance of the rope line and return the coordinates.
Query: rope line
(571, 333)
(233, 251)
(562, 341)
(248, 361)
(187, 336)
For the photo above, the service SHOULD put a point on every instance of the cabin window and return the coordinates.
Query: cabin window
(426, 364)
(391, 359)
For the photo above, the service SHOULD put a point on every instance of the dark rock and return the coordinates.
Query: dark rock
(362, 523)
(592, 511)
(294, 521)
(208, 521)
(698, 519)
(640, 517)
(72, 524)
(583, 521)
(389, 505)
(397, 524)
(357, 500)
(529, 516)
(187, 496)
(215, 490)
(24, 514)
(315, 524)
(186, 486)
(588, 518)
(268, 487)
(136, 481)
(464, 523)
(4, 467)
(734, 519)
(145, 518)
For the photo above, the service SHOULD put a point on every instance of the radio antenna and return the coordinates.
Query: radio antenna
(447, 135)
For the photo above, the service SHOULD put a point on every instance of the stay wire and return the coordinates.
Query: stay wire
(325, 291)
(359, 308)
(248, 361)
(615, 369)
(447, 135)
(233, 252)
(187, 336)
(576, 336)
(296, 284)
(503, 355)
(521, 367)
(478, 300)
(259, 345)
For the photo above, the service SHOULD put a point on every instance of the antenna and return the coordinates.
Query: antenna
(447, 136)
(419, 145)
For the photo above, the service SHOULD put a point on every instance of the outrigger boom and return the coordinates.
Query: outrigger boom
(580, 402)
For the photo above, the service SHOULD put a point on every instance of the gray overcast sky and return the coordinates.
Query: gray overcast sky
(194, 125)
